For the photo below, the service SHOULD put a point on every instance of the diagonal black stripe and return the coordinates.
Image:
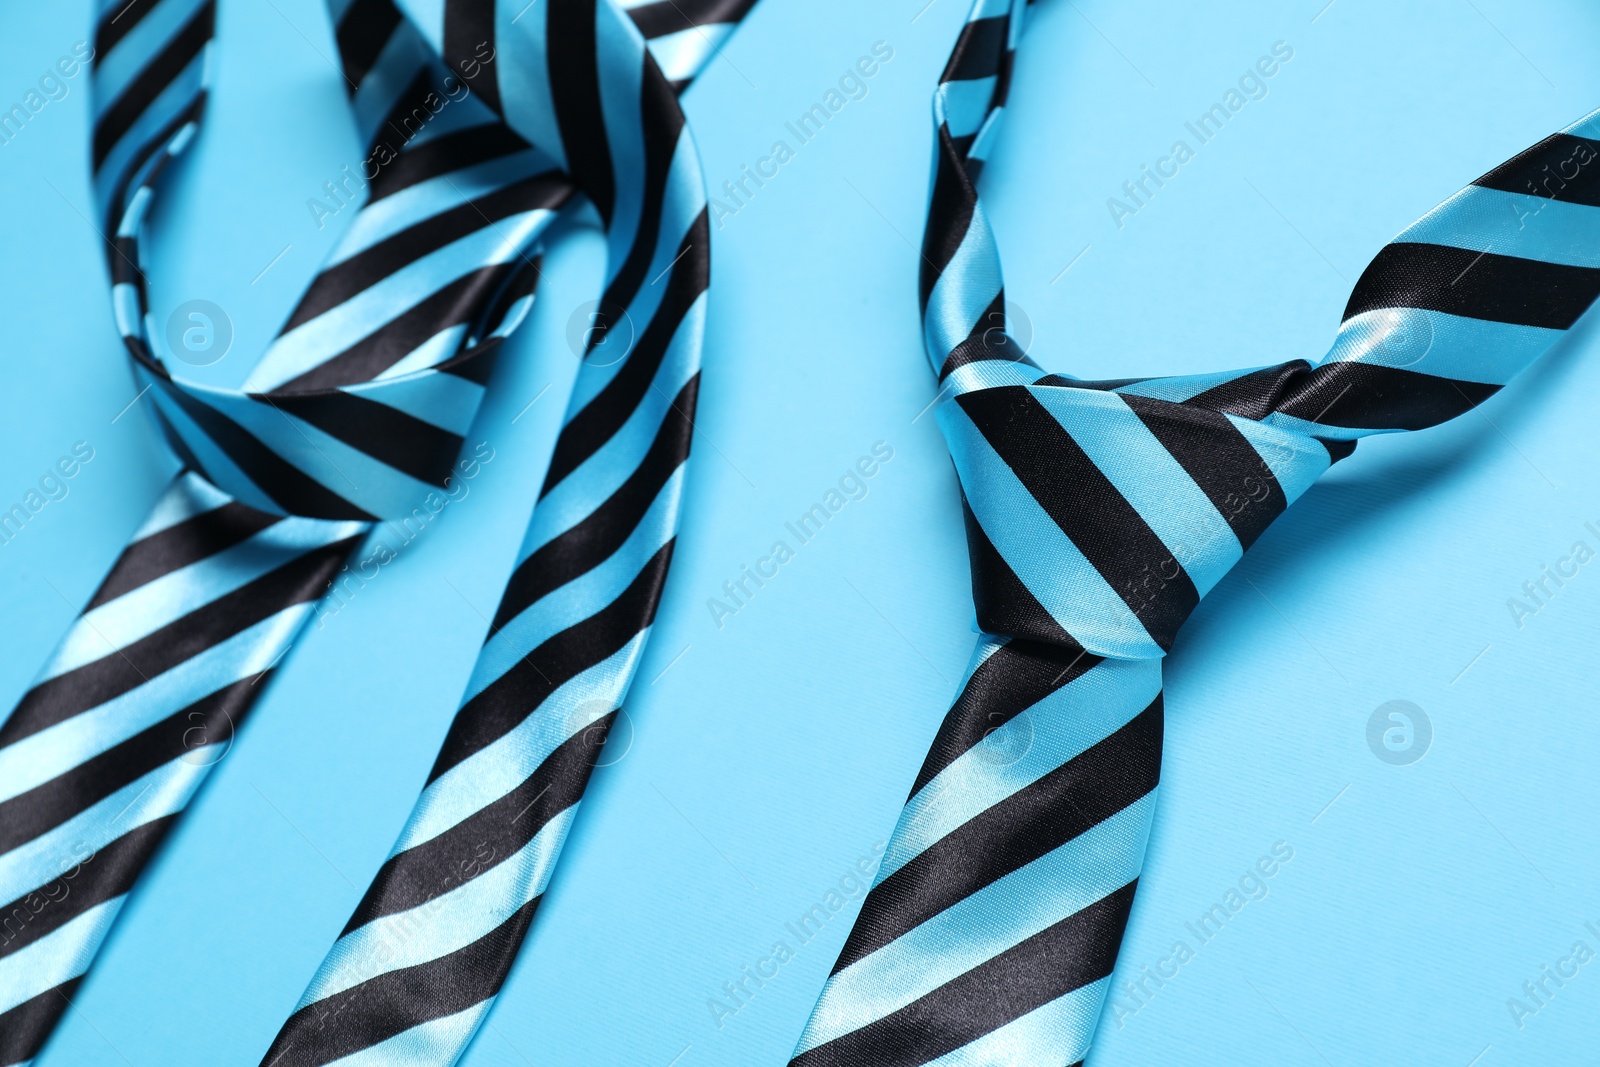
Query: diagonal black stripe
(119, 199)
(445, 154)
(662, 122)
(84, 881)
(57, 699)
(486, 838)
(160, 72)
(459, 302)
(361, 36)
(1252, 394)
(1385, 398)
(1358, 395)
(350, 277)
(1220, 459)
(988, 340)
(1083, 502)
(673, 16)
(575, 86)
(588, 543)
(179, 546)
(209, 720)
(469, 45)
(1477, 285)
(116, 22)
(389, 435)
(1036, 819)
(1006, 607)
(1561, 167)
(398, 1000)
(290, 487)
(508, 699)
(950, 208)
(603, 416)
(979, 50)
(1078, 950)
(24, 1028)
(1014, 678)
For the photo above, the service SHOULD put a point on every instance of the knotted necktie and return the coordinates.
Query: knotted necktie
(1097, 515)
(483, 119)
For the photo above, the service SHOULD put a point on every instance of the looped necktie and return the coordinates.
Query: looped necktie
(1098, 514)
(483, 119)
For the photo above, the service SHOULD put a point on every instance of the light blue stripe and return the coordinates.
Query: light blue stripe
(525, 97)
(621, 74)
(1184, 386)
(399, 211)
(461, 111)
(142, 611)
(1060, 727)
(514, 315)
(1156, 485)
(492, 772)
(178, 94)
(125, 306)
(1588, 126)
(963, 105)
(988, 134)
(969, 284)
(1293, 459)
(38, 862)
(1057, 1032)
(979, 927)
(442, 346)
(448, 922)
(56, 958)
(138, 48)
(685, 198)
(312, 343)
(990, 374)
(42, 756)
(1444, 345)
(988, 9)
(436, 1043)
(428, 18)
(1021, 531)
(218, 467)
(188, 495)
(681, 55)
(133, 214)
(1306, 428)
(585, 595)
(599, 476)
(397, 65)
(447, 401)
(1512, 224)
(342, 469)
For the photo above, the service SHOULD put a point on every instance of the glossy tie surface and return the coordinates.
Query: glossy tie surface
(1098, 514)
(482, 122)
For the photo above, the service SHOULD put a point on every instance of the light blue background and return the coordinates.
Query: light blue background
(768, 755)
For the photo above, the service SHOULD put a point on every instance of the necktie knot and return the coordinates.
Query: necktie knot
(1098, 519)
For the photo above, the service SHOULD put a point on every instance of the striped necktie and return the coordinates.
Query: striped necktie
(483, 120)
(1097, 514)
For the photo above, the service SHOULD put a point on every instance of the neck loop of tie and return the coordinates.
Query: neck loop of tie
(1098, 513)
(358, 409)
